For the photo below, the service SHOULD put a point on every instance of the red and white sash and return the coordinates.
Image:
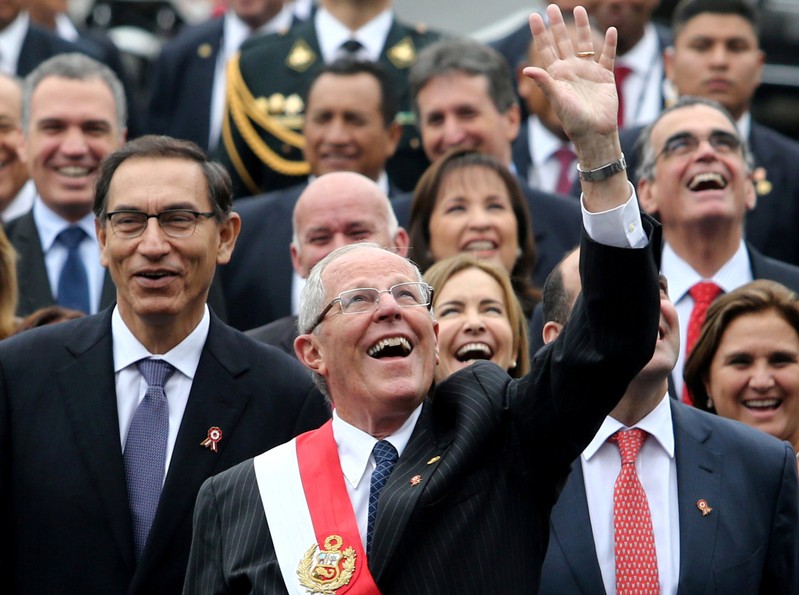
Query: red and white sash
(310, 517)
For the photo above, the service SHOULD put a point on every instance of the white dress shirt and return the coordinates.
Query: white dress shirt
(11, 39)
(49, 225)
(131, 386)
(642, 89)
(544, 166)
(65, 28)
(234, 33)
(21, 203)
(331, 33)
(681, 276)
(657, 471)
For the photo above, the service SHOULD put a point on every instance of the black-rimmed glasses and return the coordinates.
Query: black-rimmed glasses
(176, 223)
(365, 299)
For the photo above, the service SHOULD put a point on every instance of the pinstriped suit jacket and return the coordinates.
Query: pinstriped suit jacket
(479, 520)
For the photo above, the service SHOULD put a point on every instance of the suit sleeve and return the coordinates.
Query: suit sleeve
(781, 574)
(205, 570)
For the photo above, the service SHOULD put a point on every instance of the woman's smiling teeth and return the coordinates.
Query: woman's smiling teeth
(472, 351)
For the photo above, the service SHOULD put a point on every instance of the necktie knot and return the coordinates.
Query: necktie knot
(629, 443)
(704, 292)
(155, 371)
(352, 46)
(385, 453)
(71, 237)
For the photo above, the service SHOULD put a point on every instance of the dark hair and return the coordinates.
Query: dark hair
(688, 9)
(389, 103)
(555, 300)
(164, 147)
(425, 197)
(647, 154)
(758, 296)
(465, 56)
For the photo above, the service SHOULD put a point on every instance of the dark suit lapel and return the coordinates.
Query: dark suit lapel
(571, 532)
(698, 478)
(215, 400)
(407, 483)
(90, 401)
(34, 285)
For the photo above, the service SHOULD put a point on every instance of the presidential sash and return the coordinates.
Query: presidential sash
(310, 517)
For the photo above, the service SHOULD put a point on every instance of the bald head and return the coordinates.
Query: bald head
(342, 208)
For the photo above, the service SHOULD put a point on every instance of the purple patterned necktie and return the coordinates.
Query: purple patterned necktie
(145, 450)
(385, 457)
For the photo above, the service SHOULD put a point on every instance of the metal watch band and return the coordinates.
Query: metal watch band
(604, 172)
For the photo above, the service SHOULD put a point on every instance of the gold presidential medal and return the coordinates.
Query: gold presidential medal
(403, 54)
(325, 570)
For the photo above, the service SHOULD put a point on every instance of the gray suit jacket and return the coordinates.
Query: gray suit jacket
(749, 543)
(478, 521)
(64, 513)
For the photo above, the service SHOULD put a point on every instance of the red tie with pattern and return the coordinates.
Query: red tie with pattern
(565, 157)
(703, 294)
(636, 558)
(621, 73)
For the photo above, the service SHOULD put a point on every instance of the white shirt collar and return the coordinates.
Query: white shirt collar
(65, 28)
(331, 33)
(11, 39)
(49, 224)
(185, 356)
(744, 125)
(681, 276)
(235, 31)
(355, 446)
(657, 423)
(21, 203)
(543, 143)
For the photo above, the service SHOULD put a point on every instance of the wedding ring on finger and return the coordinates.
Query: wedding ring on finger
(589, 54)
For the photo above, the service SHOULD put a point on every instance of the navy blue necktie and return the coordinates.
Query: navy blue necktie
(385, 457)
(145, 450)
(73, 282)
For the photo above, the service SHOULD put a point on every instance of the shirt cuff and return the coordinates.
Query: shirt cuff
(620, 227)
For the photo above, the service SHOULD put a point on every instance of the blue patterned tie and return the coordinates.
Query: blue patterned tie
(385, 457)
(73, 282)
(145, 450)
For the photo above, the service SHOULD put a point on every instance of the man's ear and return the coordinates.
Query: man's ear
(228, 233)
(551, 331)
(646, 197)
(100, 232)
(401, 241)
(306, 347)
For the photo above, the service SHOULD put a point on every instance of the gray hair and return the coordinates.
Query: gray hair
(463, 56)
(313, 298)
(76, 67)
(392, 225)
(646, 152)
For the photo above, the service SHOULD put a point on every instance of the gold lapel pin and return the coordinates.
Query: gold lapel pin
(213, 438)
(704, 507)
(435, 459)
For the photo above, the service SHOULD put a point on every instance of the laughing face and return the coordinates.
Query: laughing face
(72, 128)
(754, 374)
(696, 183)
(378, 364)
(473, 215)
(473, 323)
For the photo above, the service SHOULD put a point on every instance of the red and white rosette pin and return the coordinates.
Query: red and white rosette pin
(214, 436)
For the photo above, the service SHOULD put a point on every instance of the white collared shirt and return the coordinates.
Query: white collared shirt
(234, 33)
(49, 225)
(657, 471)
(65, 28)
(21, 203)
(544, 166)
(642, 88)
(11, 39)
(357, 461)
(681, 276)
(331, 33)
(131, 386)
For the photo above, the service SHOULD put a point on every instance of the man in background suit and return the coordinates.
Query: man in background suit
(187, 98)
(721, 524)
(74, 114)
(463, 97)
(261, 132)
(695, 176)
(336, 209)
(16, 188)
(103, 463)
(716, 54)
(477, 466)
(349, 126)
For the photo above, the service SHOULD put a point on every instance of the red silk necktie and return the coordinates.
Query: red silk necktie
(703, 294)
(565, 158)
(621, 73)
(634, 540)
